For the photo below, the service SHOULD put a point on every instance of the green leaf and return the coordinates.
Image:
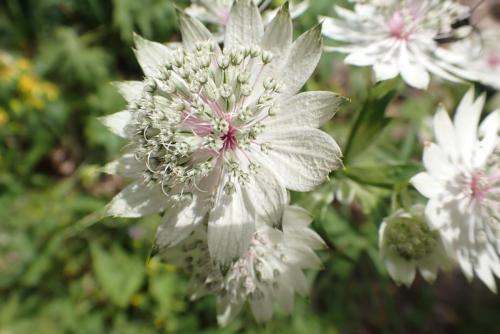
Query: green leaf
(168, 291)
(119, 274)
(384, 176)
(10, 308)
(144, 17)
(371, 120)
(43, 262)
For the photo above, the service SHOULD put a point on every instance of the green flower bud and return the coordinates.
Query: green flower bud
(409, 236)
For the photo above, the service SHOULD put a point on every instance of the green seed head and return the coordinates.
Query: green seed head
(409, 236)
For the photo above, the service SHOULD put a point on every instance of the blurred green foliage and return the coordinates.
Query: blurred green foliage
(61, 272)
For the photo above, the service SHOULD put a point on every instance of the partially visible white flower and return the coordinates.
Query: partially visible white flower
(480, 55)
(462, 183)
(406, 244)
(223, 133)
(297, 8)
(379, 3)
(397, 38)
(269, 272)
(217, 11)
(485, 15)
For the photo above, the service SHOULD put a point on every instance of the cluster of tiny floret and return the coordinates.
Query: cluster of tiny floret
(203, 105)
(250, 277)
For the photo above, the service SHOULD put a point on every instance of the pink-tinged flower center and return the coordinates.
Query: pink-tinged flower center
(478, 187)
(202, 128)
(229, 138)
(482, 186)
(397, 26)
(493, 61)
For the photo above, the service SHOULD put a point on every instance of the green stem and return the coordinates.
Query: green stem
(84, 223)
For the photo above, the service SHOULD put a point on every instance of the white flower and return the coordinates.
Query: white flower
(397, 37)
(406, 244)
(269, 272)
(217, 11)
(462, 183)
(223, 133)
(480, 55)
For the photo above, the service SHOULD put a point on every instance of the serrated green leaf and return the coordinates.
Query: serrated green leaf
(71, 56)
(143, 17)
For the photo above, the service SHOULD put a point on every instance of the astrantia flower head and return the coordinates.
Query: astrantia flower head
(397, 37)
(462, 183)
(220, 134)
(217, 11)
(269, 272)
(407, 244)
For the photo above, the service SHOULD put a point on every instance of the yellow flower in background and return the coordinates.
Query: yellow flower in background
(4, 117)
(27, 84)
(36, 102)
(23, 64)
(6, 73)
(35, 92)
(50, 91)
(32, 92)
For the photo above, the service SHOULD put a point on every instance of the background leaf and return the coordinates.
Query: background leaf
(119, 274)
(371, 120)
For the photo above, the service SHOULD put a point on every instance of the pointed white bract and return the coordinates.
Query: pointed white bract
(217, 11)
(397, 38)
(407, 244)
(269, 272)
(480, 55)
(221, 134)
(462, 183)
